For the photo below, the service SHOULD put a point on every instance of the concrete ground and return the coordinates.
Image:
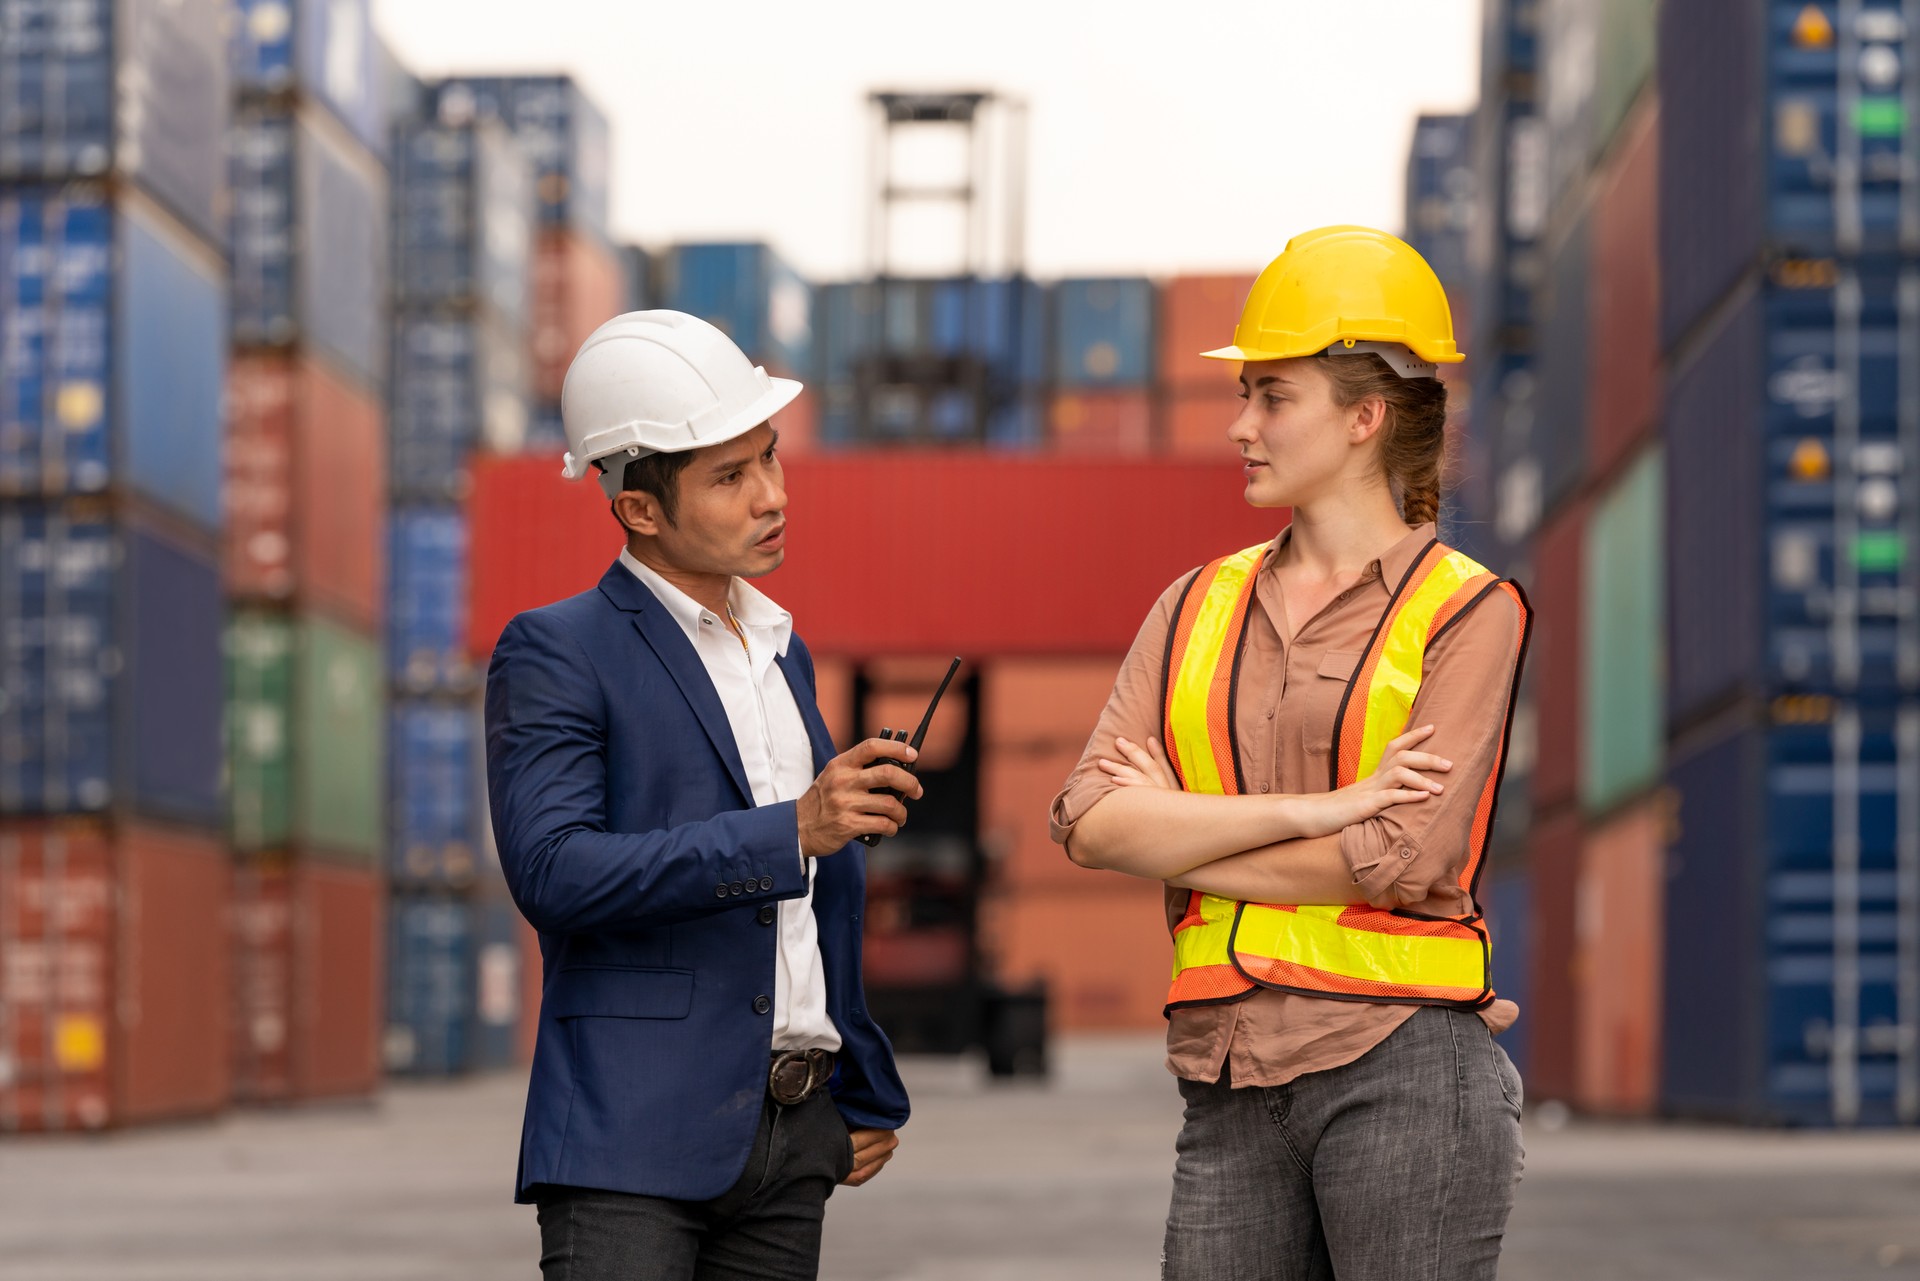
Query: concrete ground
(1057, 1183)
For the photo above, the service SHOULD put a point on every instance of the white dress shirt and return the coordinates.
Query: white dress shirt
(778, 756)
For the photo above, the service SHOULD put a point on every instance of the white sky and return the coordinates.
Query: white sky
(1163, 137)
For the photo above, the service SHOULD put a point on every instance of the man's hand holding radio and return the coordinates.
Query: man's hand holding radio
(852, 796)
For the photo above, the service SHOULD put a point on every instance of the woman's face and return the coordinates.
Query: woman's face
(1296, 444)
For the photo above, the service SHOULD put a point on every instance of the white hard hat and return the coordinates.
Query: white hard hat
(660, 382)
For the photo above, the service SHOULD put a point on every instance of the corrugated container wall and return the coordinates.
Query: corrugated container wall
(459, 384)
(747, 292)
(1619, 917)
(462, 219)
(1623, 667)
(1624, 400)
(113, 322)
(1623, 62)
(1103, 333)
(128, 88)
(1569, 41)
(560, 130)
(309, 239)
(437, 799)
(1556, 657)
(114, 961)
(1790, 982)
(306, 489)
(1553, 1019)
(427, 619)
(1565, 368)
(577, 287)
(326, 49)
(114, 682)
(430, 981)
(1198, 313)
(1440, 195)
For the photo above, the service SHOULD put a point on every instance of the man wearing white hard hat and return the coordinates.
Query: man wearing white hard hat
(673, 819)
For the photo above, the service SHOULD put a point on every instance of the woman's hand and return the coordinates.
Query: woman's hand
(1401, 779)
(1144, 767)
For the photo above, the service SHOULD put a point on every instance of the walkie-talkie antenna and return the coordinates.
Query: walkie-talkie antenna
(920, 734)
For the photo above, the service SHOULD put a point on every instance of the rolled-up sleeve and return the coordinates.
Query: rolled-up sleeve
(1132, 712)
(1412, 856)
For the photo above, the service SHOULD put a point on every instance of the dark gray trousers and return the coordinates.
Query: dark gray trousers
(767, 1226)
(1399, 1166)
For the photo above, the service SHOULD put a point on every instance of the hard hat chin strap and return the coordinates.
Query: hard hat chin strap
(1398, 356)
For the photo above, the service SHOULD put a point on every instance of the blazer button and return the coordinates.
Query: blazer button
(766, 883)
(737, 888)
(720, 890)
(761, 1005)
(767, 914)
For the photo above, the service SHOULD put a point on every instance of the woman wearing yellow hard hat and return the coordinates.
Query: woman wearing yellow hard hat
(1305, 745)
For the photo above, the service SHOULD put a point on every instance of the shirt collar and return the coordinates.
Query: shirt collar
(1390, 567)
(751, 606)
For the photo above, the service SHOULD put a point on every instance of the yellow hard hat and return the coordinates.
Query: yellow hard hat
(1349, 289)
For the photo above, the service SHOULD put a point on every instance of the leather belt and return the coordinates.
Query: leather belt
(796, 1075)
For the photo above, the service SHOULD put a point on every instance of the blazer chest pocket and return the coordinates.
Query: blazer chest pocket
(1322, 696)
(612, 992)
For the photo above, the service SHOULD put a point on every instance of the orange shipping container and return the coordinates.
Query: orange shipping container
(1106, 422)
(1196, 424)
(577, 286)
(307, 981)
(1198, 313)
(1617, 961)
(1037, 715)
(1550, 1023)
(1623, 406)
(1556, 590)
(306, 488)
(1104, 954)
(113, 975)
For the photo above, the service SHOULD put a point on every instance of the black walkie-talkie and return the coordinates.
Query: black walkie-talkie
(919, 736)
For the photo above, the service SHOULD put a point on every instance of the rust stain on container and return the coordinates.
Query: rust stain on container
(1620, 924)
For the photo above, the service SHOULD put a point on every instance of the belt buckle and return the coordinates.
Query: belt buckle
(796, 1074)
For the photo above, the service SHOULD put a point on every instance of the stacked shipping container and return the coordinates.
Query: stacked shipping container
(471, 182)
(113, 887)
(306, 497)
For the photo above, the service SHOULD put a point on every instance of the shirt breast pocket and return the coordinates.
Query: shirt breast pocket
(1321, 699)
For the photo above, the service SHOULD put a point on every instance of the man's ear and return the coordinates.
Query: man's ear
(639, 511)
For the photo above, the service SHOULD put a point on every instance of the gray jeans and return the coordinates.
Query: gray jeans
(1397, 1166)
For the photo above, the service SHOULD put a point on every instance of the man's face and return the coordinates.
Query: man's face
(730, 519)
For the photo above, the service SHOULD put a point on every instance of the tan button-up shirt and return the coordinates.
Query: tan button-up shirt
(1410, 856)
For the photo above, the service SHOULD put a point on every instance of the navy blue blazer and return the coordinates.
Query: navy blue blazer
(630, 840)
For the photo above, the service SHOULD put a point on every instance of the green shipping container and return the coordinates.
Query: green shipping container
(1625, 676)
(1623, 62)
(305, 722)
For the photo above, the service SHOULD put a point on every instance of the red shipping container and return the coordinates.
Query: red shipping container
(1198, 313)
(578, 286)
(1556, 589)
(833, 691)
(262, 983)
(306, 488)
(1625, 393)
(1195, 424)
(1108, 422)
(1618, 958)
(908, 552)
(1045, 702)
(1104, 954)
(1551, 1021)
(1037, 716)
(113, 974)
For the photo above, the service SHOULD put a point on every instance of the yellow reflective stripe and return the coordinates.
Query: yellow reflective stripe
(1313, 937)
(1205, 942)
(1396, 677)
(1207, 647)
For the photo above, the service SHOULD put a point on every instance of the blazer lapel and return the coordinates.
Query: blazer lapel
(677, 655)
(803, 697)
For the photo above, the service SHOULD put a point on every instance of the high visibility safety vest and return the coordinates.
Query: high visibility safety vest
(1224, 950)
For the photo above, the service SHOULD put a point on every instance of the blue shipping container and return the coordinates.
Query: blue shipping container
(458, 383)
(427, 599)
(497, 987)
(1761, 490)
(1103, 332)
(750, 295)
(1786, 969)
(558, 128)
(136, 88)
(309, 239)
(462, 219)
(326, 48)
(435, 795)
(636, 265)
(113, 334)
(112, 668)
(1504, 900)
(1440, 194)
(430, 985)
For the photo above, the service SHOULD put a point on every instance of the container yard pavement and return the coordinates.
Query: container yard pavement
(1041, 1184)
